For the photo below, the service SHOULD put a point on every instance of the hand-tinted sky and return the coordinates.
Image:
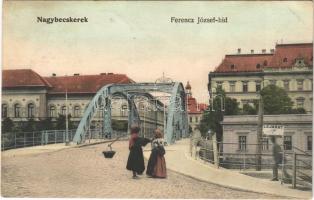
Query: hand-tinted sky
(138, 39)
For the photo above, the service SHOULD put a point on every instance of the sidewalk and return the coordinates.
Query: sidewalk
(48, 148)
(178, 159)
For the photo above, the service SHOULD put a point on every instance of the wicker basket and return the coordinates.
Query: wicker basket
(108, 154)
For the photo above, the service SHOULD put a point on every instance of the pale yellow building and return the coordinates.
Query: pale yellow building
(289, 66)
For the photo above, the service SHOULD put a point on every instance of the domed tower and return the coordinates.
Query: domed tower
(188, 89)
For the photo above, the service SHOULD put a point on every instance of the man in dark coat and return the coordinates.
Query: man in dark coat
(136, 159)
(276, 151)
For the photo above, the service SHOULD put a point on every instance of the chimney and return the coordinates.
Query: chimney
(76, 74)
(272, 50)
(239, 50)
(103, 73)
(263, 50)
(252, 51)
(54, 74)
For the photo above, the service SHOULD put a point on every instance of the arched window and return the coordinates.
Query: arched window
(63, 110)
(258, 66)
(77, 111)
(285, 60)
(30, 110)
(52, 111)
(17, 110)
(4, 109)
(265, 63)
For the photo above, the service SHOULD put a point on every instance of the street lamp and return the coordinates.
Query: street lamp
(259, 134)
(67, 143)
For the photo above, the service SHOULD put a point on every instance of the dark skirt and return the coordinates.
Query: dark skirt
(136, 158)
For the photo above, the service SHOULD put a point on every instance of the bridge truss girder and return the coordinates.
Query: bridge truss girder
(176, 123)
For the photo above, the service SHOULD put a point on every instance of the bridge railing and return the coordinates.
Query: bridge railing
(13, 140)
(295, 165)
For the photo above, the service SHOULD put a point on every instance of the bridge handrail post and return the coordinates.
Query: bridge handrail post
(294, 171)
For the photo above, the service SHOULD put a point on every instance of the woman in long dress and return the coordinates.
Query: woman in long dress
(157, 164)
(136, 159)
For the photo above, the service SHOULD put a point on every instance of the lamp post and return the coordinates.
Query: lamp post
(66, 115)
(259, 134)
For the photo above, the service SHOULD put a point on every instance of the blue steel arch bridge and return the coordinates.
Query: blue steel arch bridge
(175, 125)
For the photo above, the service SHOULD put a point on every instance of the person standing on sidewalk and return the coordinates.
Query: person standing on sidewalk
(276, 157)
(157, 164)
(136, 159)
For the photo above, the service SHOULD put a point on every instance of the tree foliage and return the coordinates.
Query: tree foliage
(7, 125)
(277, 101)
(30, 125)
(213, 116)
(61, 122)
(46, 124)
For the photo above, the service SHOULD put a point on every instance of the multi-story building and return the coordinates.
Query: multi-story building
(26, 94)
(289, 66)
(195, 110)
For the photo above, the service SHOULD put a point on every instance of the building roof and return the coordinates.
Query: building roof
(244, 63)
(194, 107)
(22, 78)
(85, 83)
(285, 54)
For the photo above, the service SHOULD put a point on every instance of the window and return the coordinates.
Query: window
(285, 60)
(309, 143)
(17, 110)
(77, 111)
(191, 120)
(242, 143)
(63, 110)
(124, 109)
(300, 102)
(4, 110)
(258, 86)
(232, 67)
(219, 84)
(245, 86)
(258, 66)
(299, 85)
(30, 110)
(52, 111)
(265, 63)
(288, 142)
(196, 119)
(265, 144)
(272, 82)
(232, 86)
(286, 85)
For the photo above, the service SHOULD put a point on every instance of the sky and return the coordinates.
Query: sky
(138, 38)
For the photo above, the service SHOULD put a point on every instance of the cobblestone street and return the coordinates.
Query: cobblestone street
(84, 172)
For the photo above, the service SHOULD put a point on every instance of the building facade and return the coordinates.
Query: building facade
(289, 66)
(195, 110)
(240, 133)
(26, 94)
